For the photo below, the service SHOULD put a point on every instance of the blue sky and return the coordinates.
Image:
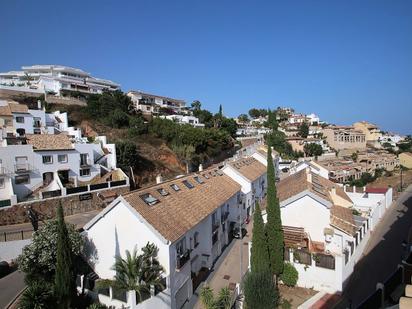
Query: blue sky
(345, 60)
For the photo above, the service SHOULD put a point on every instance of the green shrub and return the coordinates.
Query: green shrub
(37, 295)
(260, 291)
(290, 275)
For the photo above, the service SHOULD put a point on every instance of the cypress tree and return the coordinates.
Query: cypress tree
(259, 258)
(64, 283)
(273, 228)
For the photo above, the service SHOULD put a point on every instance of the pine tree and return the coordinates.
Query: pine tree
(273, 228)
(259, 258)
(64, 283)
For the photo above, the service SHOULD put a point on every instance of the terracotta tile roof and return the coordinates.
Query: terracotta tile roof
(294, 236)
(177, 212)
(249, 167)
(49, 141)
(342, 219)
(5, 111)
(18, 108)
(376, 190)
(298, 182)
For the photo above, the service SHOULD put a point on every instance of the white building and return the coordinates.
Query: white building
(252, 176)
(185, 119)
(152, 104)
(313, 118)
(313, 167)
(56, 79)
(189, 219)
(323, 238)
(38, 166)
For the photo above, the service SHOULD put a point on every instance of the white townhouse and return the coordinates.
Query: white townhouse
(33, 121)
(151, 104)
(185, 119)
(54, 79)
(312, 165)
(189, 219)
(252, 176)
(39, 166)
(261, 155)
(323, 237)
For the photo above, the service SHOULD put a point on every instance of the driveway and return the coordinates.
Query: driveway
(10, 287)
(383, 253)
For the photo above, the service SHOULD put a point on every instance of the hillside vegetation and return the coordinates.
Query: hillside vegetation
(157, 146)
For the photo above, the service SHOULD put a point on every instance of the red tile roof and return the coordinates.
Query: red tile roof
(376, 190)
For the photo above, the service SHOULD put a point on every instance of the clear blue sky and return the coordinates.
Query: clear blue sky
(345, 60)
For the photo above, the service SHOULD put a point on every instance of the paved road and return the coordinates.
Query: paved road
(10, 287)
(78, 219)
(383, 253)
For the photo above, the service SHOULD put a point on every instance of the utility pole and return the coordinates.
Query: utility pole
(240, 240)
(401, 178)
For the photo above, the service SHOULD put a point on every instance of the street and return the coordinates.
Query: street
(10, 287)
(383, 252)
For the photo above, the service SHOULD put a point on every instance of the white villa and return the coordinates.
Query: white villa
(326, 227)
(185, 119)
(151, 104)
(54, 79)
(189, 219)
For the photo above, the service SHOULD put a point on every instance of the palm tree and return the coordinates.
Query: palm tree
(139, 272)
(223, 300)
(38, 295)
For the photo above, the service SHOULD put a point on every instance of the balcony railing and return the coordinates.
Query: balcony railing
(224, 216)
(36, 124)
(22, 167)
(85, 162)
(183, 259)
(215, 226)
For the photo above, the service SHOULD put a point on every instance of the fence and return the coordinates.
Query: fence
(302, 257)
(19, 235)
(325, 261)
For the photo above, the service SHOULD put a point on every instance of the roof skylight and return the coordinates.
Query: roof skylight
(162, 192)
(175, 187)
(198, 179)
(188, 184)
(149, 199)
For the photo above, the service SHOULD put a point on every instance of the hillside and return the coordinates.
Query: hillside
(155, 147)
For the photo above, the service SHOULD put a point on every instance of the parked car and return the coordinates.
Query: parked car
(238, 233)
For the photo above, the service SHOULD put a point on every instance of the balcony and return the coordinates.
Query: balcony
(224, 216)
(36, 124)
(22, 167)
(215, 226)
(183, 259)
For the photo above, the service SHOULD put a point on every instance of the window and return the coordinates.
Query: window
(85, 172)
(62, 158)
(196, 239)
(175, 187)
(22, 179)
(219, 172)
(47, 159)
(181, 247)
(206, 176)
(188, 184)
(162, 192)
(20, 119)
(84, 159)
(198, 179)
(149, 199)
(1, 183)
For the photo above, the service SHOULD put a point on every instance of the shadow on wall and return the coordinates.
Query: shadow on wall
(382, 260)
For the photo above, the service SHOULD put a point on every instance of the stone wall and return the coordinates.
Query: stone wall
(46, 209)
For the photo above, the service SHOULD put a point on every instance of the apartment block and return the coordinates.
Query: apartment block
(341, 137)
(53, 79)
(371, 131)
(152, 104)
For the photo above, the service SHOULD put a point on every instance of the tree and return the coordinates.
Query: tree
(229, 125)
(290, 275)
(37, 295)
(126, 154)
(196, 105)
(259, 258)
(272, 123)
(64, 283)
(273, 227)
(137, 126)
(303, 130)
(138, 272)
(223, 301)
(220, 110)
(243, 118)
(185, 153)
(254, 113)
(38, 259)
(117, 119)
(260, 290)
(312, 150)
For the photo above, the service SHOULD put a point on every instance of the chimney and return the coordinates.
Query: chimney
(333, 190)
(159, 179)
(308, 175)
(200, 167)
